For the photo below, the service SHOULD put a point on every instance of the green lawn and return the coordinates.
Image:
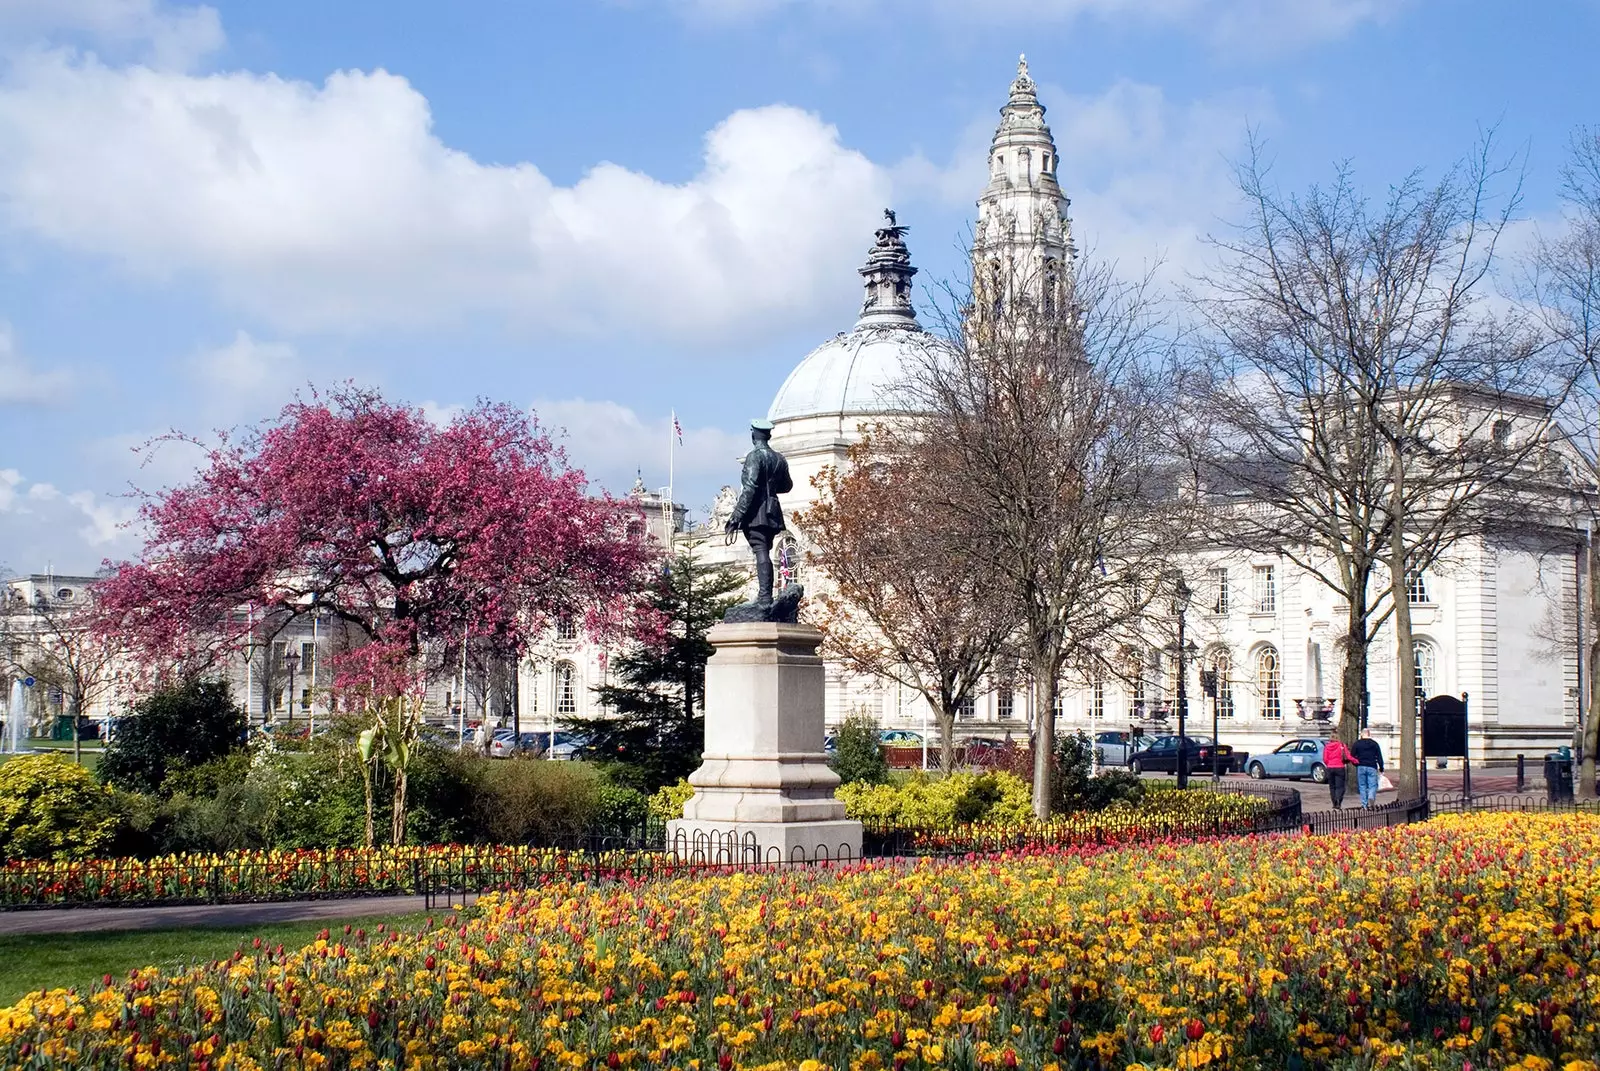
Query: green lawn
(91, 755)
(49, 961)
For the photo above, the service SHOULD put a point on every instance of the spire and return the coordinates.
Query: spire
(1023, 231)
(888, 273)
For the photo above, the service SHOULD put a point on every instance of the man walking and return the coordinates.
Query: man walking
(1369, 763)
(1337, 760)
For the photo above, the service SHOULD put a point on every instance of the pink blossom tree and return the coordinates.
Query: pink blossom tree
(416, 536)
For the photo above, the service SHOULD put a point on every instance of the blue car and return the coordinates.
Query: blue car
(1293, 759)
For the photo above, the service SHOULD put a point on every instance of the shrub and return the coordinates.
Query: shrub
(858, 755)
(961, 798)
(526, 802)
(669, 800)
(1074, 786)
(51, 808)
(183, 726)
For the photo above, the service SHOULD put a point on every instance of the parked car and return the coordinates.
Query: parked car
(1294, 759)
(563, 746)
(506, 743)
(900, 738)
(1113, 748)
(1161, 755)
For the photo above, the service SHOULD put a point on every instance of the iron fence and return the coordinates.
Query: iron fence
(446, 875)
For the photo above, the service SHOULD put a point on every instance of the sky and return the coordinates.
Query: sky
(611, 210)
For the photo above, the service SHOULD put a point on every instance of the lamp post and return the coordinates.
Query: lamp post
(1209, 679)
(293, 662)
(1180, 606)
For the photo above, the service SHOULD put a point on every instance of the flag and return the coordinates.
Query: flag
(677, 429)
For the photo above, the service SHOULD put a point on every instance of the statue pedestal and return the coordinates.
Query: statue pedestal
(764, 792)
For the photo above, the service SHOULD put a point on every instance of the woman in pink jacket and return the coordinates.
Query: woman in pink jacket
(1338, 760)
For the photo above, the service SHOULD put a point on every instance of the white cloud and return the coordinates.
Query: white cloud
(335, 206)
(20, 383)
(246, 380)
(147, 30)
(1150, 177)
(1233, 25)
(73, 531)
(612, 442)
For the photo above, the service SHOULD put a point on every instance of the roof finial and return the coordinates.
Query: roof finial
(1022, 65)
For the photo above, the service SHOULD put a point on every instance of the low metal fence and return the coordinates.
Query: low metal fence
(450, 874)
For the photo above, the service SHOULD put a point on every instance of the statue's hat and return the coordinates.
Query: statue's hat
(761, 425)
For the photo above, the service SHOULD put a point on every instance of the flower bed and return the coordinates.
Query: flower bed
(410, 870)
(1470, 941)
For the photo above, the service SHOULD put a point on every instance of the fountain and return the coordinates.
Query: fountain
(16, 734)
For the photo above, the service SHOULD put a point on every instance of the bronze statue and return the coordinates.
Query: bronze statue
(758, 514)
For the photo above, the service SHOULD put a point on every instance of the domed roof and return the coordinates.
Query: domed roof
(861, 372)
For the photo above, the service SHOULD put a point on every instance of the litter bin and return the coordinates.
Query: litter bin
(1558, 778)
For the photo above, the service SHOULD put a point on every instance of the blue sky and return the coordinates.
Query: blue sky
(610, 209)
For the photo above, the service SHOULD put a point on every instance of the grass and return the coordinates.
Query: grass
(91, 753)
(61, 960)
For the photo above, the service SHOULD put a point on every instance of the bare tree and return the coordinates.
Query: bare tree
(1354, 408)
(51, 639)
(1050, 414)
(910, 595)
(1566, 286)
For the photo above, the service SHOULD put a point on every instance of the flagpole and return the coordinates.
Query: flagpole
(672, 444)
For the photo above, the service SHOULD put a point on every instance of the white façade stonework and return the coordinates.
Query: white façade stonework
(765, 791)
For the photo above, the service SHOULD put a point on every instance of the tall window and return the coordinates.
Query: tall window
(1218, 579)
(1266, 593)
(308, 671)
(1416, 587)
(566, 628)
(1097, 697)
(1005, 700)
(967, 707)
(1222, 666)
(1136, 680)
(1426, 670)
(566, 690)
(1269, 682)
(534, 680)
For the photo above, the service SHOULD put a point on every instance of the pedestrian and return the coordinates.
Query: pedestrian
(1338, 761)
(1369, 763)
(480, 738)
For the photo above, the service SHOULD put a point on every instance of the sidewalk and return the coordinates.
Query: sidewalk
(105, 919)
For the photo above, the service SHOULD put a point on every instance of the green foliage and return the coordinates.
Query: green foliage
(961, 798)
(857, 754)
(619, 809)
(668, 802)
(51, 808)
(164, 733)
(531, 802)
(1074, 787)
(657, 727)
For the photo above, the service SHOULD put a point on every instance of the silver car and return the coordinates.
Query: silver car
(1113, 748)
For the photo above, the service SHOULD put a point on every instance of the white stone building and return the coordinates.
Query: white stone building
(1498, 621)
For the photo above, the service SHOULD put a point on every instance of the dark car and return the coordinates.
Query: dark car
(1160, 755)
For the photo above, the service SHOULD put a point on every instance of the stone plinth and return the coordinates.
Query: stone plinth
(764, 792)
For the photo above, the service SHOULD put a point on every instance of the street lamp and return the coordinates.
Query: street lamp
(293, 662)
(1181, 594)
(1210, 684)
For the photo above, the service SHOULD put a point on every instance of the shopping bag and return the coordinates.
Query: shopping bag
(1384, 784)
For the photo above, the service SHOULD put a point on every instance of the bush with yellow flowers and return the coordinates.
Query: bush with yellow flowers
(1466, 942)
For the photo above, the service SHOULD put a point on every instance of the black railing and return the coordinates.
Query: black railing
(450, 874)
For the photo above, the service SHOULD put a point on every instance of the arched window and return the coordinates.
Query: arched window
(1221, 664)
(1426, 668)
(786, 562)
(566, 689)
(1269, 682)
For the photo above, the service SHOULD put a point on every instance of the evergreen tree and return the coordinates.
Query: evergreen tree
(657, 725)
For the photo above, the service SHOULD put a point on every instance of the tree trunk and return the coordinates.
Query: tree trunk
(1353, 680)
(1591, 723)
(1405, 655)
(947, 739)
(366, 784)
(397, 823)
(1044, 737)
(77, 749)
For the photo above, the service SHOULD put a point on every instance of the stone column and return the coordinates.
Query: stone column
(764, 792)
